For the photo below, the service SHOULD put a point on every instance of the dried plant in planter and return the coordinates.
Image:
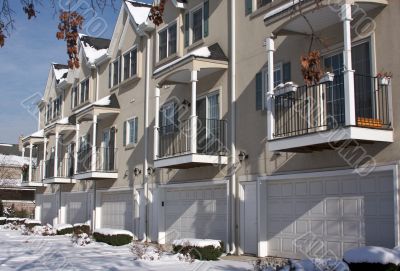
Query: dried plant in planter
(68, 27)
(156, 13)
(2, 35)
(29, 10)
(311, 67)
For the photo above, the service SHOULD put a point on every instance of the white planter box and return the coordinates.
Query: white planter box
(384, 81)
(285, 88)
(328, 77)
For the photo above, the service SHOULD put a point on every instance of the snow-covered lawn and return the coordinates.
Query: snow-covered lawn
(19, 252)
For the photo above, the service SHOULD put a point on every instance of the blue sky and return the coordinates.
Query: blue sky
(25, 61)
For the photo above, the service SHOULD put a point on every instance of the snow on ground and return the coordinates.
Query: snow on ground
(372, 254)
(18, 252)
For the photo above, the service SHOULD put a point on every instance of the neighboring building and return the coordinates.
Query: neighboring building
(199, 127)
(13, 194)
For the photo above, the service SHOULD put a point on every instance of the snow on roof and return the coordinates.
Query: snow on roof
(139, 11)
(197, 242)
(105, 231)
(200, 52)
(39, 133)
(13, 160)
(62, 121)
(10, 182)
(60, 71)
(103, 101)
(371, 254)
(94, 48)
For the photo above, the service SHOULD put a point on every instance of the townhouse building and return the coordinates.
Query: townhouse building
(203, 127)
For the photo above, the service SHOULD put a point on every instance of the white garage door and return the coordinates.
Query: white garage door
(196, 213)
(76, 207)
(116, 210)
(49, 208)
(320, 217)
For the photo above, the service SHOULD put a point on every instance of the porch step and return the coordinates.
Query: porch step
(369, 122)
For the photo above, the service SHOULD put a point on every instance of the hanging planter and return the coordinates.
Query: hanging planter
(327, 77)
(311, 68)
(384, 78)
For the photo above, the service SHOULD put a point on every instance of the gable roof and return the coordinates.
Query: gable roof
(60, 71)
(138, 10)
(93, 47)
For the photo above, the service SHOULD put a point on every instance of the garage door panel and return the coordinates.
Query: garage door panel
(76, 207)
(196, 213)
(117, 210)
(336, 213)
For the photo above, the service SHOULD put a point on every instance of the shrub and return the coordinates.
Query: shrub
(199, 252)
(64, 229)
(30, 224)
(3, 220)
(22, 213)
(373, 266)
(81, 228)
(113, 237)
(1, 208)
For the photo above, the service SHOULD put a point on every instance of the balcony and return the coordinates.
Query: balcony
(311, 118)
(63, 174)
(98, 164)
(175, 144)
(35, 180)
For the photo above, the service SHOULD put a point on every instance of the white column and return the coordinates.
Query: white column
(94, 149)
(23, 156)
(44, 157)
(193, 115)
(270, 46)
(56, 155)
(76, 148)
(156, 124)
(348, 67)
(30, 162)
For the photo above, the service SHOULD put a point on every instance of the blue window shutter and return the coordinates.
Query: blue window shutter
(248, 7)
(287, 77)
(187, 25)
(124, 134)
(206, 16)
(136, 130)
(259, 92)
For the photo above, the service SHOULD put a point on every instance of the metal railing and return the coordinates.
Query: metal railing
(175, 139)
(36, 175)
(65, 168)
(321, 107)
(106, 159)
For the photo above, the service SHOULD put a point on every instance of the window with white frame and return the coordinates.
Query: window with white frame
(74, 97)
(130, 63)
(114, 72)
(168, 118)
(84, 91)
(196, 23)
(57, 106)
(167, 41)
(131, 131)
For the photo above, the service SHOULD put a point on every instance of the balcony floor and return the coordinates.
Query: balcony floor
(330, 139)
(33, 184)
(190, 160)
(93, 175)
(59, 180)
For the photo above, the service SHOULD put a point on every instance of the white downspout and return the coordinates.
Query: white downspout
(97, 83)
(233, 181)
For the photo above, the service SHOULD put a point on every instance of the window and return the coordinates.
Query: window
(84, 91)
(248, 6)
(131, 131)
(74, 97)
(167, 41)
(116, 71)
(281, 75)
(261, 3)
(130, 64)
(196, 24)
(57, 107)
(168, 118)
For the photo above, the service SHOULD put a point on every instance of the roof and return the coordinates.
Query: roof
(94, 47)
(214, 52)
(10, 149)
(13, 160)
(110, 101)
(138, 10)
(60, 71)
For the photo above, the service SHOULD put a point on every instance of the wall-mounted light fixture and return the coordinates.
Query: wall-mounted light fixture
(137, 172)
(150, 171)
(243, 156)
(186, 103)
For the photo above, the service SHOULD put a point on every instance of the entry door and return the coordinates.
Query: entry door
(249, 218)
(208, 124)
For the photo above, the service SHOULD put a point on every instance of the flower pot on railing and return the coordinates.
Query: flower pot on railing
(384, 81)
(288, 87)
(327, 77)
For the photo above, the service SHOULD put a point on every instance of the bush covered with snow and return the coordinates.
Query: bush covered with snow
(81, 228)
(29, 223)
(145, 251)
(3, 220)
(113, 237)
(81, 239)
(373, 258)
(15, 220)
(63, 229)
(200, 249)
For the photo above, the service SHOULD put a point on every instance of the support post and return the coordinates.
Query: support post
(270, 46)
(23, 156)
(193, 115)
(94, 148)
(30, 163)
(348, 67)
(76, 148)
(56, 155)
(156, 124)
(44, 157)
